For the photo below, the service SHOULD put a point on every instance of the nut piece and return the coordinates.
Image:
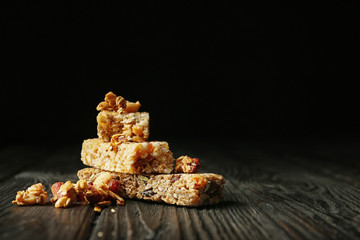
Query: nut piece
(120, 102)
(35, 194)
(62, 202)
(116, 140)
(110, 98)
(185, 164)
(119, 200)
(81, 186)
(102, 106)
(97, 208)
(117, 103)
(102, 180)
(132, 107)
(63, 194)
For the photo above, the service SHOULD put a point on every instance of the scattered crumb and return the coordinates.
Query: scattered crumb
(113, 210)
(100, 234)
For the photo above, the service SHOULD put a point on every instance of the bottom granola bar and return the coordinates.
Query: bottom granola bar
(181, 189)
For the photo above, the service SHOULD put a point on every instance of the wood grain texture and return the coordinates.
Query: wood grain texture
(273, 191)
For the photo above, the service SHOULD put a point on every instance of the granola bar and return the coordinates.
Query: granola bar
(128, 157)
(180, 189)
(35, 194)
(131, 126)
(118, 116)
(186, 164)
(63, 194)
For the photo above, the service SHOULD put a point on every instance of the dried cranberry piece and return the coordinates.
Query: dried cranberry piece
(114, 185)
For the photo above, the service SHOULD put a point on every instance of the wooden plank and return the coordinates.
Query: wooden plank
(43, 222)
(269, 194)
(308, 204)
(144, 220)
(40, 222)
(47, 222)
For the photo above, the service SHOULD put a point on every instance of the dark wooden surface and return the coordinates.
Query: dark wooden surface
(273, 191)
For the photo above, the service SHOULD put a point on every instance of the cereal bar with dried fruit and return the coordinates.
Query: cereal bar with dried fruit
(118, 116)
(128, 157)
(130, 126)
(63, 194)
(35, 194)
(196, 189)
(186, 164)
(100, 193)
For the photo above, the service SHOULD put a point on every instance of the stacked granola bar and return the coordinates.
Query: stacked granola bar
(145, 169)
(124, 164)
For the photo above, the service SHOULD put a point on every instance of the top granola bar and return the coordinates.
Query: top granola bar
(121, 117)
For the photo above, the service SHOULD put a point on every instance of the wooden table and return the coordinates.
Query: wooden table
(273, 191)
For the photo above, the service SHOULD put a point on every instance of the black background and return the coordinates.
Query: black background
(213, 71)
